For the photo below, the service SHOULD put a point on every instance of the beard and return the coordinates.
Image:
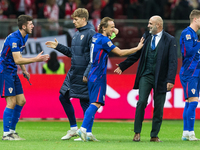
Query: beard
(153, 30)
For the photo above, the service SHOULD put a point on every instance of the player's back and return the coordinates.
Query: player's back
(100, 48)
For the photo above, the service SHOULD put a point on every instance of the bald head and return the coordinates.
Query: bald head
(158, 20)
(155, 24)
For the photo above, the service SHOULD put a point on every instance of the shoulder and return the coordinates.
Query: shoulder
(168, 35)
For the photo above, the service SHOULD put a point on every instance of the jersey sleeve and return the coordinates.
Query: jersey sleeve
(14, 44)
(190, 43)
(108, 45)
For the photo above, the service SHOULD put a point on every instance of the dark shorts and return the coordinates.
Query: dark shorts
(190, 86)
(10, 85)
(97, 92)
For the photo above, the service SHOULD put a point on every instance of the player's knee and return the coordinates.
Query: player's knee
(22, 102)
(11, 104)
(64, 100)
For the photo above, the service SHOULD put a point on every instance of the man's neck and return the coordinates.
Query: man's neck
(194, 27)
(23, 33)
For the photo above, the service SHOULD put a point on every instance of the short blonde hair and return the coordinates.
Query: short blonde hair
(194, 14)
(81, 13)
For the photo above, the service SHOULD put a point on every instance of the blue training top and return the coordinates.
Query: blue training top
(13, 43)
(100, 48)
(190, 49)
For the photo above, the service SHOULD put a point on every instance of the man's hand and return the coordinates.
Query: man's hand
(41, 57)
(26, 75)
(52, 44)
(169, 86)
(85, 79)
(118, 70)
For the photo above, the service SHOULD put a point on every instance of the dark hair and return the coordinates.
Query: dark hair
(104, 23)
(81, 13)
(53, 63)
(22, 20)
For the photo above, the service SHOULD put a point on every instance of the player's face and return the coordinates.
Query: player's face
(79, 22)
(110, 29)
(152, 26)
(29, 27)
(198, 22)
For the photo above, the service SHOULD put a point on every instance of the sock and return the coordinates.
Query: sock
(89, 133)
(89, 128)
(69, 109)
(191, 133)
(89, 115)
(185, 127)
(7, 118)
(185, 133)
(191, 115)
(15, 116)
(12, 131)
(74, 128)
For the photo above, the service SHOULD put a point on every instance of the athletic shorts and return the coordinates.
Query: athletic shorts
(190, 86)
(97, 92)
(10, 85)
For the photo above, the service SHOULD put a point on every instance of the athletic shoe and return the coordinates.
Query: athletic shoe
(185, 138)
(16, 136)
(91, 138)
(70, 133)
(78, 139)
(82, 134)
(8, 137)
(193, 138)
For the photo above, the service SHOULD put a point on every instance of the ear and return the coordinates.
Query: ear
(23, 26)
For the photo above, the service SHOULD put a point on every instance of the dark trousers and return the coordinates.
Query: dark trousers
(146, 84)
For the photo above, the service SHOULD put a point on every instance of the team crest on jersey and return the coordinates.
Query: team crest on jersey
(10, 90)
(109, 43)
(14, 45)
(82, 36)
(188, 36)
(193, 91)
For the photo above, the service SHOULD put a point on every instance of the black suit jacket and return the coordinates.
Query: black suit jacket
(166, 64)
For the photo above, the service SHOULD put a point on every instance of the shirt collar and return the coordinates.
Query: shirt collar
(159, 34)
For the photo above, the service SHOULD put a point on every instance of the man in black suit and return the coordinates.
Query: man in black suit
(157, 69)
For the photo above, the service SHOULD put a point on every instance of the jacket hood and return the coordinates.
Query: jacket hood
(88, 26)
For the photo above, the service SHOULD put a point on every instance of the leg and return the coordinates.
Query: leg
(8, 112)
(145, 87)
(88, 118)
(159, 101)
(193, 102)
(69, 110)
(20, 102)
(185, 135)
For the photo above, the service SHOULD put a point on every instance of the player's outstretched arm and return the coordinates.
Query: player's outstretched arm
(19, 60)
(126, 52)
(52, 44)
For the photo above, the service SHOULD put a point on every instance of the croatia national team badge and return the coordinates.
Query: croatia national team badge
(10, 90)
(14, 45)
(188, 36)
(82, 36)
(109, 43)
(193, 91)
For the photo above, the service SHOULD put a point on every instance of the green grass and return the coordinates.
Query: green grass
(112, 135)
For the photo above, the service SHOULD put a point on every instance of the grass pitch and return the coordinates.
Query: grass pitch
(46, 135)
